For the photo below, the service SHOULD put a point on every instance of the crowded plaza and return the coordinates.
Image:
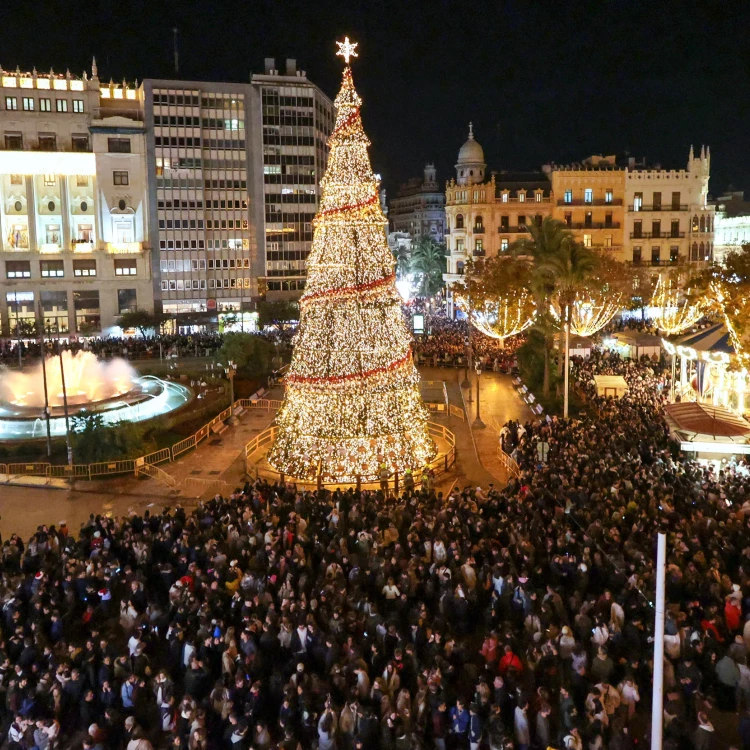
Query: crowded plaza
(501, 617)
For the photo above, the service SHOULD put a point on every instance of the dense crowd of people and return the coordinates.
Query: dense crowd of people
(446, 344)
(518, 617)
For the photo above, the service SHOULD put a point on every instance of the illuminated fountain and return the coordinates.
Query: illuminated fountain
(112, 389)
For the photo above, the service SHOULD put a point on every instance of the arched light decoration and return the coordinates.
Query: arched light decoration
(591, 311)
(674, 312)
(501, 319)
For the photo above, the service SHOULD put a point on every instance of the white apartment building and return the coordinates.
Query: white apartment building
(234, 171)
(732, 224)
(73, 220)
(668, 216)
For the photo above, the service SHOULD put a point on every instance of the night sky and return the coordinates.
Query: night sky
(542, 81)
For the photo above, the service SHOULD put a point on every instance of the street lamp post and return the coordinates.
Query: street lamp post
(231, 370)
(65, 406)
(43, 347)
(567, 365)
(478, 422)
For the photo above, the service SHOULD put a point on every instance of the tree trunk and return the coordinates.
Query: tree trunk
(545, 386)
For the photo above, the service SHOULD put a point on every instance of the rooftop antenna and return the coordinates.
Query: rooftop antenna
(176, 51)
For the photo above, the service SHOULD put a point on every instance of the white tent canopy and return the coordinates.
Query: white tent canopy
(610, 385)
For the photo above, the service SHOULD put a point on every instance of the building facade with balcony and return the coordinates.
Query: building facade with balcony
(418, 208)
(668, 217)
(589, 198)
(73, 219)
(731, 224)
(485, 217)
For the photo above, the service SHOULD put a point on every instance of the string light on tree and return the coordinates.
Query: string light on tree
(352, 401)
(674, 311)
(500, 319)
(591, 311)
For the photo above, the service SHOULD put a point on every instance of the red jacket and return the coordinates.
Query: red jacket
(732, 616)
(510, 661)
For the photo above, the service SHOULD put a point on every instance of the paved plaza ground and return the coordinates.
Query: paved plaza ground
(219, 462)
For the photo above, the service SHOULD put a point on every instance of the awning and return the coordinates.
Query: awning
(705, 419)
(611, 381)
(712, 339)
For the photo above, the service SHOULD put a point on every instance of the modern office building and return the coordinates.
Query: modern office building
(418, 207)
(74, 226)
(235, 170)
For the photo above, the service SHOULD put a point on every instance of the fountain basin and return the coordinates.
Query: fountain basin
(148, 397)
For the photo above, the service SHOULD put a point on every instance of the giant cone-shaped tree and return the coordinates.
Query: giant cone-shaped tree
(352, 401)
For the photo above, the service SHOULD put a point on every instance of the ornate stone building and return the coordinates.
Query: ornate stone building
(419, 207)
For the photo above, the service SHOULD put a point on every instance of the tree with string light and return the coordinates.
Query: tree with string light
(352, 408)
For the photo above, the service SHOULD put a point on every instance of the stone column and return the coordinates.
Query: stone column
(65, 213)
(31, 214)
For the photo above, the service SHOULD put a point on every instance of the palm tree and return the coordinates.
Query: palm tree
(428, 259)
(547, 241)
(402, 256)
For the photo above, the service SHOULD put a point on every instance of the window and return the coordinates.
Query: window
(47, 142)
(11, 102)
(504, 222)
(675, 228)
(45, 105)
(17, 269)
(568, 196)
(504, 244)
(656, 202)
(479, 247)
(165, 286)
(521, 196)
(80, 142)
(608, 219)
(608, 195)
(84, 268)
(126, 300)
(460, 246)
(55, 311)
(120, 178)
(13, 141)
(118, 145)
(479, 223)
(695, 224)
(16, 179)
(52, 269)
(61, 105)
(607, 240)
(521, 220)
(459, 221)
(637, 229)
(588, 219)
(538, 197)
(638, 202)
(125, 268)
(587, 240)
(504, 197)
(637, 254)
(655, 255)
(675, 201)
(88, 313)
(28, 104)
(50, 180)
(674, 253)
(78, 105)
(656, 228)
(568, 218)
(588, 195)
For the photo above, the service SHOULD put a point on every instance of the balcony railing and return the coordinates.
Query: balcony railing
(479, 253)
(592, 225)
(656, 235)
(82, 247)
(124, 248)
(49, 248)
(594, 202)
(520, 229)
(663, 207)
(653, 263)
(478, 230)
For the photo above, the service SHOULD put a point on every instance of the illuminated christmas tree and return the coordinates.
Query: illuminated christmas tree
(352, 392)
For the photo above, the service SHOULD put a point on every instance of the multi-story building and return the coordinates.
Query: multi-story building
(73, 224)
(668, 217)
(731, 225)
(419, 207)
(235, 170)
(292, 120)
(483, 218)
(589, 199)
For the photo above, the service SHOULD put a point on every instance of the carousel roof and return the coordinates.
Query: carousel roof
(715, 338)
(706, 419)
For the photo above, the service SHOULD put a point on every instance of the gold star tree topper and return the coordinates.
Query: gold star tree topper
(347, 49)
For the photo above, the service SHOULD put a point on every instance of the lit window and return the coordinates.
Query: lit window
(125, 268)
(538, 197)
(637, 201)
(588, 195)
(28, 104)
(504, 244)
(608, 195)
(587, 240)
(120, 178)
(78, 105)
(11, 102)
(45, 105)
(568, 196)
(52, 269)
(62, 105)
(50, 180)
(18, 269)
(505, 197)
(521, 196)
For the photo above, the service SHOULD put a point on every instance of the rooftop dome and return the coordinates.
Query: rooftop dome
(471, 152)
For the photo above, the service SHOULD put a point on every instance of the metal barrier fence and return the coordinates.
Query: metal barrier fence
(457, 411)
(156, 473)
(439, 465)
(509, 464)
